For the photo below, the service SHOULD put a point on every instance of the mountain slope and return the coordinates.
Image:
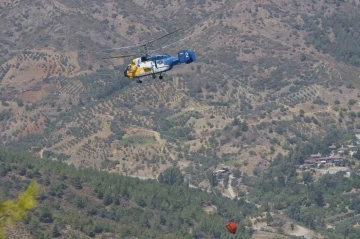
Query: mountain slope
(267, 75)
(86, 203)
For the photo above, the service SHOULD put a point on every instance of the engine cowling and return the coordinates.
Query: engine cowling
(186, 56)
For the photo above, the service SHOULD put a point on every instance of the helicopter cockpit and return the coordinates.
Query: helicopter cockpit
(128, 68)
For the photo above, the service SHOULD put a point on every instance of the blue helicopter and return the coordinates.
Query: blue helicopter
(147, 64)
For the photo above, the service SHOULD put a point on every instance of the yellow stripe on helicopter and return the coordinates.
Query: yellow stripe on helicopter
(137, 71)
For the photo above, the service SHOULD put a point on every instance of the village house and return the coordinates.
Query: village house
(315, 156)
(331, 159)
(317, 160)
(335, 158)
(225, 170)
(220, 174)
(341, 150)
(309, 163)
(332, 148)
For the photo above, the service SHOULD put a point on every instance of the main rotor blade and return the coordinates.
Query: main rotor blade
(163, 36)
(123, 56)
(146, 43)
(125, 47)
(170, 44)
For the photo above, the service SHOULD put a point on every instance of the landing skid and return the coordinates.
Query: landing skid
(153, 76)
(160, 76)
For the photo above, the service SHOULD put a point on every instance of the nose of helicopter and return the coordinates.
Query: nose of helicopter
(125, 72)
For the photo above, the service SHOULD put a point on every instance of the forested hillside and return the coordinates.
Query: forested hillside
(83, 203)
(274, 98)
(328, 203)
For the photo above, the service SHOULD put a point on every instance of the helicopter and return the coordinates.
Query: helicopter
(153, 64)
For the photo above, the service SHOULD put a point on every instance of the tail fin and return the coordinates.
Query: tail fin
(186, 56)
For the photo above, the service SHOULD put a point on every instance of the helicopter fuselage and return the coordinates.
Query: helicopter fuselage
(157, 64)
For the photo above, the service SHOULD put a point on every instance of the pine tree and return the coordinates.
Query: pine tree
(107, 199)
(269, 218)
(11, 212)
(76, 183)
(55, 231)
(244, 127)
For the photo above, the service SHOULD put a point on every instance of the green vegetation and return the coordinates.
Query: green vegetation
(95, 202)
(184, 117)
(309, 202)
(11, 212)
(345, 27)
(4, 115)
(257, 88)
(286, 74)
(60, 157)
(139, 140)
